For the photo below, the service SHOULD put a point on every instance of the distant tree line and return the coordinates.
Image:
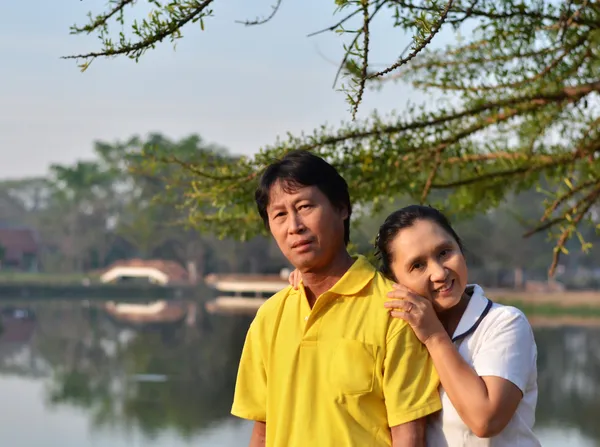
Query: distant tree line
(117, 205)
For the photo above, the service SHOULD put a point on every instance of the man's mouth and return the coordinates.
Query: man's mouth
(301, 244)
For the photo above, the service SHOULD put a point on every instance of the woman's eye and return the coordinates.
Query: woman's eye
(417, 266)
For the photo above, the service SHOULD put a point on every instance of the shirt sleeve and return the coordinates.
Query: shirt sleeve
(509, 349)
(250, 398)
(410, 381)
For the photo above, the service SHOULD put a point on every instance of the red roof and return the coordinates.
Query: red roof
(172, 269)
(18, 242)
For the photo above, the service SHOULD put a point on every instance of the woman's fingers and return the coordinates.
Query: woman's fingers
(405, 305)
(294, 279)
(405, 294)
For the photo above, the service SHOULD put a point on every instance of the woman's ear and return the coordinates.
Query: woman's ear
(344, 212)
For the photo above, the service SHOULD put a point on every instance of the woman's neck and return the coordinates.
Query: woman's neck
(451, 317)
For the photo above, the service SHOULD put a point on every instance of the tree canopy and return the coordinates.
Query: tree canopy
(519, 109)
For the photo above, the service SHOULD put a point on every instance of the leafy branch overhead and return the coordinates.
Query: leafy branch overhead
(519, 108)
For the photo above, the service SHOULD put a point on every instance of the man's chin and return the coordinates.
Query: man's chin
(304, 261)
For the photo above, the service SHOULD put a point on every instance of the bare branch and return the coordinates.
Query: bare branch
(335, 25)
(432, 174)
(262, 21)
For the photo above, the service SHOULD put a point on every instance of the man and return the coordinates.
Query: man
(325, 365)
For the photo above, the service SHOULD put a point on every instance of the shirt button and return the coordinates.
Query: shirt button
(306, 318)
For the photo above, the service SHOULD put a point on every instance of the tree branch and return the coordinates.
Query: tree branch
(264, 20)
(436, 27)
(365, 58)
(102, 20)
(493, 14)
(566, 234)
(335, 25)
(545, 71)
(139, 47)
(344, 62)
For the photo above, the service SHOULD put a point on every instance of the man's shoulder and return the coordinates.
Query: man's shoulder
(380, 286)
(272, 305)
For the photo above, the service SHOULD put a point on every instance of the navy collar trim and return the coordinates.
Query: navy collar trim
(478, 307)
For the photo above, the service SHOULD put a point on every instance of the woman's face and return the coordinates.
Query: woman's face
(427, 260)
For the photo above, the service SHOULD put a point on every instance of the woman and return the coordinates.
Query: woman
(484, 352)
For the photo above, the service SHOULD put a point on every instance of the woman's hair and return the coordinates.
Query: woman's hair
(405, 218)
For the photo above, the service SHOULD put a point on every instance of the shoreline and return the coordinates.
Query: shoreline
(573, 309)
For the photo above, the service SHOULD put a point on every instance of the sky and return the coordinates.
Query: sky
(236, 86)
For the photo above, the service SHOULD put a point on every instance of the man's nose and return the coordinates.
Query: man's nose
(296, 226)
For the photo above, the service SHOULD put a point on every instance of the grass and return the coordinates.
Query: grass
(7, 277)
(552, 310)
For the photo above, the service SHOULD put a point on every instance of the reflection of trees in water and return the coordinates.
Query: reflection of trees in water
(569, 379)
(93, 362)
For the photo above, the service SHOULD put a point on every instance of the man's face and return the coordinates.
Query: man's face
(308, 229)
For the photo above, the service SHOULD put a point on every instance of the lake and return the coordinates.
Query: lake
(71, 376)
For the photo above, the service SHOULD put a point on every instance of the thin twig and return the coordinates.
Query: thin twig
(571, 94)
(365, 58)
(545, 71)
(335, 26)
(139, 46)
(103, 20)
(593, 196)
(345, 59)
(264, 20)
(420, 47)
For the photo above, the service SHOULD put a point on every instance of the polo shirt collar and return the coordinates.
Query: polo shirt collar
(476, 310)
(358, 276)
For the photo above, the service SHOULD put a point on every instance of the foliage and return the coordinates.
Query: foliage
(521, 103)
(112, 207)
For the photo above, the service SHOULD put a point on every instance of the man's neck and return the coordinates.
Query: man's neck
(317, 282)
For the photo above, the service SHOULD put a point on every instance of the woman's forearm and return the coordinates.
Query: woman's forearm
(465, 389)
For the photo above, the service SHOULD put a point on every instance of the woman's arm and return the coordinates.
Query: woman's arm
(485, 404)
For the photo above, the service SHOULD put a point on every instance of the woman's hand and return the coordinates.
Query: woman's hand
(295, 278)
(416, 311)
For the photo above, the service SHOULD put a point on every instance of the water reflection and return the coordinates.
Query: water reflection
(83, 379)
(569, 379)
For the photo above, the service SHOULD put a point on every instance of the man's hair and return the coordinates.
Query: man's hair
(301, 168)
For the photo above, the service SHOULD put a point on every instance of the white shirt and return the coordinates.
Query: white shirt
(495, 340)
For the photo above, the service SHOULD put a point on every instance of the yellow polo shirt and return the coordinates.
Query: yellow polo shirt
(339, 374)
